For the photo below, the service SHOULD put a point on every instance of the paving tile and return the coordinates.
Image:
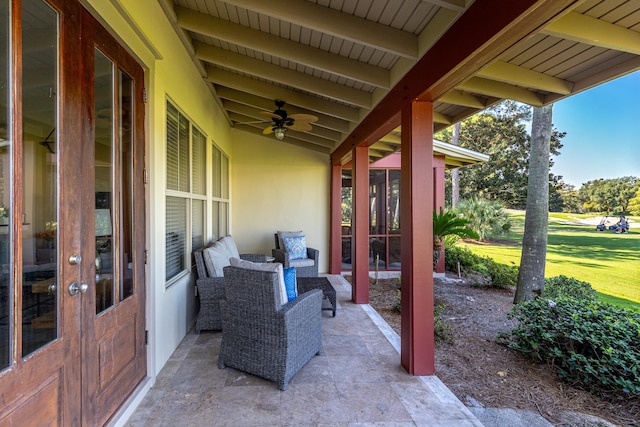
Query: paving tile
(356, 381)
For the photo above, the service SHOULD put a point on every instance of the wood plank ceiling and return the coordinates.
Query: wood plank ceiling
(338, 59)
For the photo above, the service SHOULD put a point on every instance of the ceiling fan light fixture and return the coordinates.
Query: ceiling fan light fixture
(279, 132)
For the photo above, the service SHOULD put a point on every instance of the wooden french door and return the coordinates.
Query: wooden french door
(71, 217)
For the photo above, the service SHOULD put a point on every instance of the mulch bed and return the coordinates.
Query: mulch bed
(479, 370)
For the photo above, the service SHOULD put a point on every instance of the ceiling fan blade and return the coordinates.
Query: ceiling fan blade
(301, 126)
(304, 118)
(268, 130)
(271, 115)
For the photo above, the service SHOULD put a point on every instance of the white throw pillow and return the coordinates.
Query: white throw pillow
(265, 266)
(230, 244)
(216, 258)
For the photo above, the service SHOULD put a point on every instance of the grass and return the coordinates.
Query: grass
(607, 260)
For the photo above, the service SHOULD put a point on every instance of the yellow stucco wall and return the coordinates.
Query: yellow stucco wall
(145, 31)
(274, 185)
(278, 186)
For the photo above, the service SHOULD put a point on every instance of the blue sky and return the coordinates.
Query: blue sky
(603, 132)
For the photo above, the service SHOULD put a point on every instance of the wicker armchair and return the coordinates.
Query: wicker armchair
(304, 267)
(262, 339)
(211, 291)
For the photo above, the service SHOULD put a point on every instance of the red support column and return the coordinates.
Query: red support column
(335, 256)
(417, 337)
(438, 199)
(360, 226)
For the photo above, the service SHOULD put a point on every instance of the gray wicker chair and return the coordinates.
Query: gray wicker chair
(282, 257)
(258, 338)
(211, 291)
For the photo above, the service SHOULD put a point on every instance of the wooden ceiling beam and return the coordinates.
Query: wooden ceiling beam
(208, 25)
(501, 90)
(338, 24)
(284, 76)
(513, 74)
(496, 26)
(290, 96)
(457, 97)
(595, 32)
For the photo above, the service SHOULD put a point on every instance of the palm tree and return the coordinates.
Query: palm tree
(448, 223)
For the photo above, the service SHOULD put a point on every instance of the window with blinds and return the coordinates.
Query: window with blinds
(188, 205)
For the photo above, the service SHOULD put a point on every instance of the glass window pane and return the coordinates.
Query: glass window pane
(40, 185)
(5, 183)
(215, 221)
(173, 151)
(198, 162)
(175, 236)
(183, 151)
(394, 202)
(126, 89)
(104, 206)
(217, 173)
(224, 171)
(377, 202)
(197, 224)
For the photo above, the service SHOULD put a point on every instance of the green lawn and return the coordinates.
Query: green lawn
(609, 261)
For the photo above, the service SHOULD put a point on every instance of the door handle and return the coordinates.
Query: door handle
(76, 287)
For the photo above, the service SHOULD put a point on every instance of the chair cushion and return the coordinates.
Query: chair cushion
(230, 244)
(282, 234)
(281, 296)
(290, 283)
(306, 262)
(216, 258)
(295, 246)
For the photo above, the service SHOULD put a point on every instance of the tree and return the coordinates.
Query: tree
(607, 195)
(634, 204)
(534, 241)
(501, 133)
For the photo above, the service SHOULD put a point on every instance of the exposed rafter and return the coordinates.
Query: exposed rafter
(283, 48)
(267, 90)
(514, 74)
(460, 98)
(290, 138)
(335, 23)
(284, 76)
(501, 90)
(595, 32)
(455, 5)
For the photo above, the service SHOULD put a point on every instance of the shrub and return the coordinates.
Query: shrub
(486, 217)
(593, 344)
(501, 275)
(568, 287)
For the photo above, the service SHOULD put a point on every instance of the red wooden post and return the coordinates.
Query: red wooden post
(438, 199)
(335, 257)
(417, 337)
(360, 226)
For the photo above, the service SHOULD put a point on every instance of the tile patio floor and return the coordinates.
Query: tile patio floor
(356, 381)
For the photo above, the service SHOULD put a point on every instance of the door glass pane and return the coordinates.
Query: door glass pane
(39, 212)
(103, 69)
(126, 185)
(5, 182)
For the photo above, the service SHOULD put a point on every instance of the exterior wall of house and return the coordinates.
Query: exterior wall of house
(143, 28)
(278, 186)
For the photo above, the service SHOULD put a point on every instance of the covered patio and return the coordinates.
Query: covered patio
(357, 379)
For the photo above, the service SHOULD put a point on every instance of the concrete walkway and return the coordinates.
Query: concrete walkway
(357, 380)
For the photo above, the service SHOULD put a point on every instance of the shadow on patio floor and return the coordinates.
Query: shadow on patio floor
(357, 380)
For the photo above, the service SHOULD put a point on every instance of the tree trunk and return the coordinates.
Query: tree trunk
(534, 242)
(455, 173)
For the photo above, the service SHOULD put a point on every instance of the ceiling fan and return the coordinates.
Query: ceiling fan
(281, 121)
